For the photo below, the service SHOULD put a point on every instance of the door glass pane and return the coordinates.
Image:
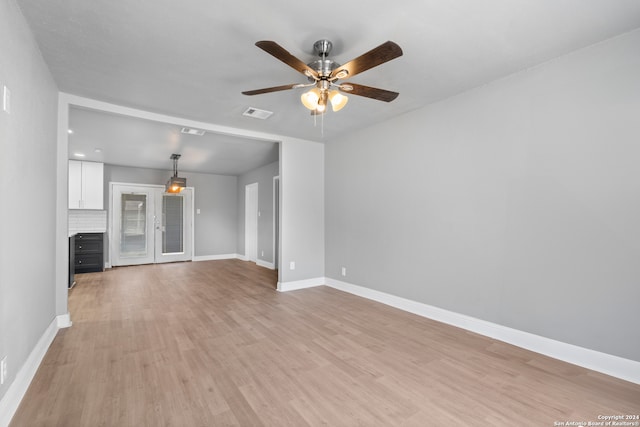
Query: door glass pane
(173, 224)
(133, 232)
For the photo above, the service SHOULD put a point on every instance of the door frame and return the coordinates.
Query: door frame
(253, 219)
(276, 222)
(110, 241)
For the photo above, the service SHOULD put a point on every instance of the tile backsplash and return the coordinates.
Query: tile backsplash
(87, 221)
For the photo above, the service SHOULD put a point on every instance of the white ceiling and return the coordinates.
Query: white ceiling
(193, 58)
(135, 142)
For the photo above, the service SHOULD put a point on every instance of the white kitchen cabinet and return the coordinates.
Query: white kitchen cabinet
(75, 184)
(86, 185)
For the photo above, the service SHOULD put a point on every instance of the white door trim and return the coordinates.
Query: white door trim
(276, 222)
(251, 197)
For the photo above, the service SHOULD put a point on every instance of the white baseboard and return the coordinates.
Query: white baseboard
(16, 391)
(215, 257)
(615, 366)
(300, 284)
(266, 264)
(241, 257)
(63, 321)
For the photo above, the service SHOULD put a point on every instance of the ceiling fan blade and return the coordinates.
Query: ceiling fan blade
(369, 92)
(379, 55)
(271, 89)
(283, 55)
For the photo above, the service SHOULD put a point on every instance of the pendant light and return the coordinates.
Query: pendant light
(175, 183)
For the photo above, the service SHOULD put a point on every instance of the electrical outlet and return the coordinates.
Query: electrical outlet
(3, 370)
(261, 253)
(344, 271)
(292, 265)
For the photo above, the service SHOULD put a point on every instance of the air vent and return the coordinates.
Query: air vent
(192, 131)
(257, 113)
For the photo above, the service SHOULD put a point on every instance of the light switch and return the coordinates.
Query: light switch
(198, 211)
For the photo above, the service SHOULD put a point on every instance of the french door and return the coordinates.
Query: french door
(150, 226)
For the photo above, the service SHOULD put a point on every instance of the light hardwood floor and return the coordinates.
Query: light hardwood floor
(213, 344)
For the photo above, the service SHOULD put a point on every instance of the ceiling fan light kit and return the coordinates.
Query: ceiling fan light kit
(338, 101)
(324, 75)
(310, 99)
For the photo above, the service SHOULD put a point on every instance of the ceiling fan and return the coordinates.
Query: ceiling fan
(324, 74)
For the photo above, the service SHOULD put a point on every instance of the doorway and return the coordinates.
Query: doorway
(150, 226)
(251, 222)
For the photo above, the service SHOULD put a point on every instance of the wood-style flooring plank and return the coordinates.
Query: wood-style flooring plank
(213, 344)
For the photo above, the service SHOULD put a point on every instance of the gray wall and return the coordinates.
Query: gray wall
(28, 168)
(301, 210)
(264, 177)
(215, 195)
(517, 202)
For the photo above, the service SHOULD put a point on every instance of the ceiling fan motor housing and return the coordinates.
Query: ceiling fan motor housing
(323, 66)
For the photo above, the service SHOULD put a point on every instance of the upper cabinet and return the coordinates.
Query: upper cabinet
(86, 185)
